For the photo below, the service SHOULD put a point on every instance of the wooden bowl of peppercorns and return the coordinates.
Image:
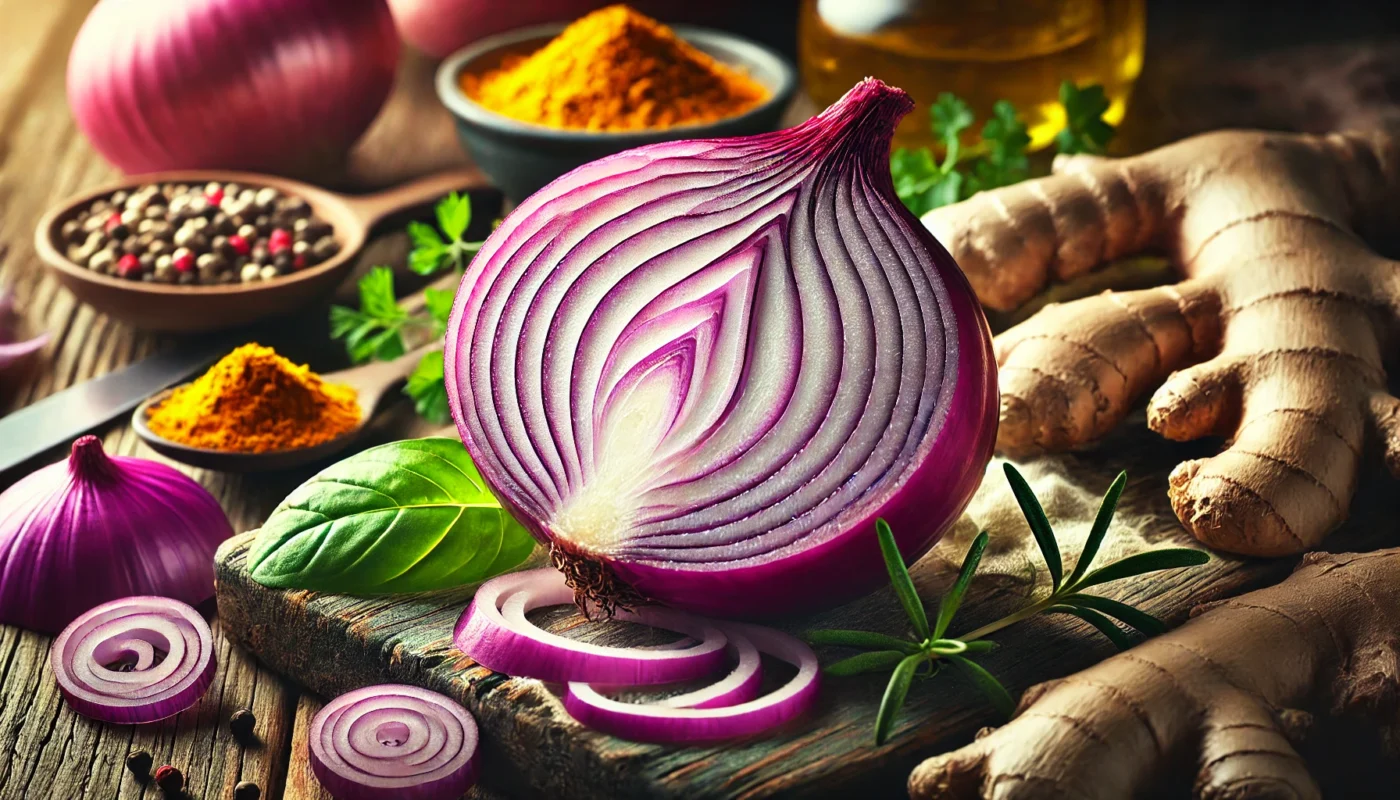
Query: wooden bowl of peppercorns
(209, 250)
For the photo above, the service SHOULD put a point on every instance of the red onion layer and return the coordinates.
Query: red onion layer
(268, 85)
(393, 742)
(709, 366)
(515, 646)
(137, 659)
(678, 719)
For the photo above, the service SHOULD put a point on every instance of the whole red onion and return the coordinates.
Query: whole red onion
(272, 85)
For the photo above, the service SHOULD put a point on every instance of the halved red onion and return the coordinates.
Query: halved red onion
(709, 366)
(137, 659)
(518, 647)
(685, 721)
(394, 742)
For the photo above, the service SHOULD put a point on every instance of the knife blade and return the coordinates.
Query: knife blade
(62, 416)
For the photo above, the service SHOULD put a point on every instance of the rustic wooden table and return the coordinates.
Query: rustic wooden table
(48, 751)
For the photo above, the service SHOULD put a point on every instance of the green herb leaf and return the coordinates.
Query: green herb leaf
(1143, 563)
(402, 517)
(428, 389)
(949, 116)
(1100, 528)
(377, 295)
(1132, 617)
(454, 214)
(914, 173)
(1104, 625)
(439, 305)
(1005, 140)
(878, 661)
(948, 606)
(899, 578)
(866, 639)
(429, 250)
(990, 686)
(1040, 526)
(1085, 130)
(895, 692)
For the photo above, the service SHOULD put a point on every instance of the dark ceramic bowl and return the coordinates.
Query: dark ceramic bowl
(522, 157)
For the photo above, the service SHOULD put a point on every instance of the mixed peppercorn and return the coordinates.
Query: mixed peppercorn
(210, 234)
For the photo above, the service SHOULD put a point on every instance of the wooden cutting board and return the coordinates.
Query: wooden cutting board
(335, 643)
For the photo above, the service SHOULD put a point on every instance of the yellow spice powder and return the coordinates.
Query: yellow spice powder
(255, 401)
(615, 70)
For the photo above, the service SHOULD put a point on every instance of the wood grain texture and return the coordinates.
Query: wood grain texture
(336, 643)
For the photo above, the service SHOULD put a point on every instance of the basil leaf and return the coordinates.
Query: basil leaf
(407, 516)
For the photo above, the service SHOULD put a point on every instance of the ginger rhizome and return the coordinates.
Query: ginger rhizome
(1273, 338)
(1230, 690)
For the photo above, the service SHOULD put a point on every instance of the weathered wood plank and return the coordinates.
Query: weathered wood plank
(336, 643)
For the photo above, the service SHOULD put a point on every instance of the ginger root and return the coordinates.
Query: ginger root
(1273, 338)
(1229, 690)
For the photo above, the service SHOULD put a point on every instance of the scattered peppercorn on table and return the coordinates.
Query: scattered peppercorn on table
(251, 728)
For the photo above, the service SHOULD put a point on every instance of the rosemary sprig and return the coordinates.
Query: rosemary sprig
(930, 647)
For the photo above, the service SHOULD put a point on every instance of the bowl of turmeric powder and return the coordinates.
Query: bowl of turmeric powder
(534, 103)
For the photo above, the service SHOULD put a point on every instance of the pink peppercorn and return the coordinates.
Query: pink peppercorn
(215, 197)
(183, 262)
(278, 240)
(128, 266)
(239, 244)
(113, 221)
(299, 262)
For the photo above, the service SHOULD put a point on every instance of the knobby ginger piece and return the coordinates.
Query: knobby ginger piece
(1272, 338)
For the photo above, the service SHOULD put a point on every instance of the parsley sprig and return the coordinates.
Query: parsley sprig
(924, 183)
(930, 647)
(381, 329)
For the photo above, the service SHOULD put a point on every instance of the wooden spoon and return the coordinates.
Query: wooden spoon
(172, 307)
(370, 381)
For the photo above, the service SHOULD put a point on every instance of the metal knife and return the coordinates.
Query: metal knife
(62, 416)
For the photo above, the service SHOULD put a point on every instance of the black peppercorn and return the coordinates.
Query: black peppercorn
(241, 723)
(246, 790)
(139, 763)
(170, 780)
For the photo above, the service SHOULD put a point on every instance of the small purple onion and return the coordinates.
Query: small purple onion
(95, 528)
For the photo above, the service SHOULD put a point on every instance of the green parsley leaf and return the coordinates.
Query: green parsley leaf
(454, 214)
(1085, 131)
(428, 390)
(429, 250)
(1004, 162)
(439, 305)
(949, 116)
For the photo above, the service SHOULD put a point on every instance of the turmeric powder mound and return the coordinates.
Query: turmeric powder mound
(615, 70)
(255, 401)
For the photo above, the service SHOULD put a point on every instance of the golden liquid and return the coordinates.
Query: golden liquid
(980, 50)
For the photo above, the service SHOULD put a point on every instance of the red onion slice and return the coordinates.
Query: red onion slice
(518, 647)
(394, 742)
(740, 685)
(665, 722)
(137, 659)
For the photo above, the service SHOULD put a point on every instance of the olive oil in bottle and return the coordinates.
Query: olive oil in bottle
(980, 50)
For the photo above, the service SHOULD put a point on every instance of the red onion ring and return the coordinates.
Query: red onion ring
(518, 647)
(133, 631)
(394, 742)
(665, 722)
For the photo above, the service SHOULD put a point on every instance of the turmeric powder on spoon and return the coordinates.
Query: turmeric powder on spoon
(255, 401)
(615, 70)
